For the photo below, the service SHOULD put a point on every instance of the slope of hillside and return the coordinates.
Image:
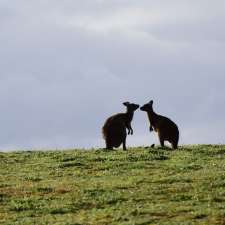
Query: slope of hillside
(141, 186)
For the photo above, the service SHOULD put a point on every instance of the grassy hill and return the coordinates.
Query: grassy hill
(140, 186)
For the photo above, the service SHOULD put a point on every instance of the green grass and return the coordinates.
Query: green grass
(140, 186)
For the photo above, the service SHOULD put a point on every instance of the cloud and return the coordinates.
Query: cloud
(66, 67)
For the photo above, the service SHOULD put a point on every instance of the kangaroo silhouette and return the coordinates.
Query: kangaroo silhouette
(114, 129)
(167, 130)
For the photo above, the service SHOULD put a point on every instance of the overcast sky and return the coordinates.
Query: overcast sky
(65, 66)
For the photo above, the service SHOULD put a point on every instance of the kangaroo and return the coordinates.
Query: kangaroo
(167, 130)
(114, 129)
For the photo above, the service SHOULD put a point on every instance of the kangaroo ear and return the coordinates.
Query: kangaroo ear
(126, 103)
(151, 102)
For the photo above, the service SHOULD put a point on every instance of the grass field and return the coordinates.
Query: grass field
(140, 186)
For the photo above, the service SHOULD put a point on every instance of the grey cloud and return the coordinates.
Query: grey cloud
(66, 67)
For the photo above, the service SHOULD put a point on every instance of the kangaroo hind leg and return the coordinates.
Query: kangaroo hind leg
(174, 144)
(109, 144)
(124, 144)
(161, 140)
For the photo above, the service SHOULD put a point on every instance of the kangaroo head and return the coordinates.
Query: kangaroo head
(147, 107)
(131, 107)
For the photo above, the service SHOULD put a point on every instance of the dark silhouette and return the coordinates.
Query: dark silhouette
(167, 130)
(152, 146)
(114, 129)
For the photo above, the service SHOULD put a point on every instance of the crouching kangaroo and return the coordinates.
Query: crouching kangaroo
(167, 130)
(114, 129)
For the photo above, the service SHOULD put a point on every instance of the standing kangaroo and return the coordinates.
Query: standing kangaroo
(114, 129)
(167, 130)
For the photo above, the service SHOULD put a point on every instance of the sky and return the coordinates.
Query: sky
(66, 66)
